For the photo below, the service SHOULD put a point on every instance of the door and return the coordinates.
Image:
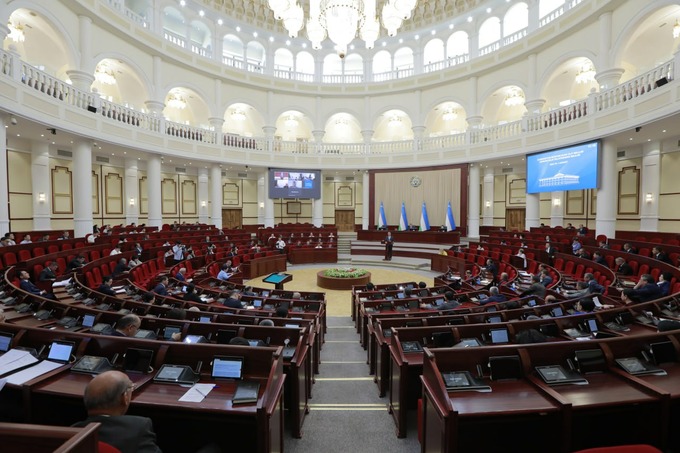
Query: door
(232, 218)
(514, 219)
(344, 220)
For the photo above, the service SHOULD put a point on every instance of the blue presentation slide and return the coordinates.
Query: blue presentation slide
(572, 168)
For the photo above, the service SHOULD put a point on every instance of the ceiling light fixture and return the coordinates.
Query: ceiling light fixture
(177, 101)
(514, 98)
(16, 32)
(342, 20)
(676, 29)
(586, 74)
(104, 74)
(449, 115)
(238, 115)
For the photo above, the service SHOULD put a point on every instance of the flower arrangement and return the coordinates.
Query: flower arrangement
(345, 272)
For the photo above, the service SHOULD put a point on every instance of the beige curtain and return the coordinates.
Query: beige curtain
(436, 189)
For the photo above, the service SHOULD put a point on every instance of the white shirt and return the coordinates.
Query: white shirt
(115, 252)
(280, 244)
(178, 253)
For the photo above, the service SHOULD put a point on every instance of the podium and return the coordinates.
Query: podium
(278, 279)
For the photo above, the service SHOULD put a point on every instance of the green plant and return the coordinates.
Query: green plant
(345, 272)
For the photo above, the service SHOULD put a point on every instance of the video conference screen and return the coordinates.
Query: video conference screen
(294, 183)
(572, 168)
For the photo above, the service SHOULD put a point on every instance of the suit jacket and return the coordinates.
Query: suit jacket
(128, 433)
(106, 289)
(29, 287)
(624, 269)
(161, 290)
(47, 274)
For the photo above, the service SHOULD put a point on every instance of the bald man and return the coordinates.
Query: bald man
(107, 398)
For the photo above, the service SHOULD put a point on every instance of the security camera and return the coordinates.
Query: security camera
(341, 55)
(13, 120)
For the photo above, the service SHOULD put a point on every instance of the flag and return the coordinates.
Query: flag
(424, 221)
(382, 220)
(450, 223)
(403, 221)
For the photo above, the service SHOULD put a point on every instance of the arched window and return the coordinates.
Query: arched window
(283, 63)
(173, 26)
(546, 7)
(457, 44)
(332, 65)
(201, 39)
(433, 52)
(516, 19)
(232, 47)
(304, 63)
(354, 65)
(255, 56)
(403, 62)
(382, 64)
(489, 32)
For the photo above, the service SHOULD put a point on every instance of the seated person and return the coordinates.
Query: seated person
(584, 306)
(582, 290)
(105, 287)
(536, 288)
(191, 295)
(582, 230)
(449, 303)
(659, 254)
(621, 267)
(75, 263)
(664, 283)
(576, 246)
(629, 248)
(107, 398)
(49, 273)
(134, 261)
(545, 278)
(599, 259)
(181, 274)
(121, 267)
(593, 286)
(28, 286)
(234, 300)
(225, 272)
(281, 312)
(646, 289)
(583, 253)
(127, 326)
(162, 287)
(495, 296)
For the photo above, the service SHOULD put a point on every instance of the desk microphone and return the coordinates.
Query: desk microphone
(480, 373)
(199, 365)
(114, 359)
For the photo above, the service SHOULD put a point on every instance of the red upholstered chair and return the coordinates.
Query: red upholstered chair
(622, 449)
(103, 447)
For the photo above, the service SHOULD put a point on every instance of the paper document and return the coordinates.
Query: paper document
(15, 359)
(62, 283)
(33, 372)
(197, 393)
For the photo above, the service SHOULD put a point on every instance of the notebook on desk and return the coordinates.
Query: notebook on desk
(411, 346)
(246, 392)
(557, 375)
(463, 380)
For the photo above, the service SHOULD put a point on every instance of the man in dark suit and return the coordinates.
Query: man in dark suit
(659, 254)
(495, 296)
(105, 287)
(629, 248)
(191, 295)
(389, 243)
(162, 287)
(646, 289)
(121, 267)
(107, 398)
(536, 289)
(75, 263)
(49, 273)
(234, 300)
(450, 302)
(599, 259)
(127, 326)
(622, 268)
(27, 285)
(550, 250)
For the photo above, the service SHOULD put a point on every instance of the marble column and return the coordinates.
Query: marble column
(533, 211)
(557, 204)
(268, 205)
(473, 202)
(261, 196)
(203, 207)
(487, 197)
(131, 200)
(365, 193)
(82, 187)
(40, 176)
(651, 183)
(317, 206)
(153, 189)
(216, 196)
(605, 222)
(4, 196)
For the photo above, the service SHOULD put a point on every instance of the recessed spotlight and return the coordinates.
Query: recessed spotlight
(254, 34)
(469, 19)
(401, 40)
(450, 26)
(384, 43)
(201, 13)
(220, 21)
(304, 45)
(488, 10)
(42, 135)
(238, 28)
(631, 139)
(18, 135)
(124, 152)
(351, 47)
(433, 32)
(271, 39)
(417, 37)
(663, 130)
(649, 139)
(288, 42)
(182, 3)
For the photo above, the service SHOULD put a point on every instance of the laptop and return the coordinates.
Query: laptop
(556, 312)
(88, 320)
(60, 351)
(557, 375)
(224, 336)
(206, 319)
(191, 339)
(5, 341)
(227, 367)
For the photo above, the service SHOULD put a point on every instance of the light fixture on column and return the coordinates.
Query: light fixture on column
(261, 204)
(132, 201)
(649, 198)
(203, 204)
(41, 197)
(557, 202)
(676, 29)
(487, 204)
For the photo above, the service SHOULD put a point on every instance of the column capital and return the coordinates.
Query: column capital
(534, 105)
(367, 135)
(216, 122)
(154, 107)
(474, 121)
(318, 135)
(81, 79)
(609, 77)
(269, 131)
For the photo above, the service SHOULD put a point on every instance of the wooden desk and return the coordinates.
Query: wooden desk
(17, 437)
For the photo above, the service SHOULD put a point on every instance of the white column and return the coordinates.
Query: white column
(557, 201)
(153, 189)
(85, 43)
(473, 202)
(651, 177)
(82, 187)
(533, 211)
(4, 196)
(268, 204)
(365, 190)
(131, 200)
(487, 197)
(203, 208)
(216, 195)
(605, 223)
(317, 206)
(40, 176)
(607, 76)
(261, 196)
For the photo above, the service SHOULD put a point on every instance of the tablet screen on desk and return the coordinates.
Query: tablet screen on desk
(204, 319)
(224, 336)
(499, 336)
(257, 303)
(138, 360)
(60, 351)
(5, 341)
(169, 331)
(88, 320)
(227, 367)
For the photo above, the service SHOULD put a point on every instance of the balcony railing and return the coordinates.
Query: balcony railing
(58, 91)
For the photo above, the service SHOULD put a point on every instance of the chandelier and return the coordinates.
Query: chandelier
(676, 29)
(238, 115)
(104, 74)
(291, 121)
(449, 115)
(16, 32)
(586, 74)
(177, 101)
(342, 20)
(514, 98)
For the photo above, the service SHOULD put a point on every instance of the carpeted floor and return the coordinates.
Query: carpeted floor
(338, 302)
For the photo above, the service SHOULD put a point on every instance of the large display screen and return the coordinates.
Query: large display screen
(294, 183)
(572, 168)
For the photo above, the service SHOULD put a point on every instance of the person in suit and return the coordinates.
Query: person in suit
(495, 296)
(105, 287)
(664, 283)
(234, 300)
(49, 273)
(389, 243)
(659, 254)
(582, 230)
(27, 285)
(646, 289)
(593, 286)
(107, 398)
(180, 274)
(629, 248)
(75, 263)
(450, 302)
(491, 270)
(121, 267)
(545, 278)
(622, 268)
(599, 259)
(550, 250)
(536, 289)
(127, 326)
(162, 287)
(191, 295)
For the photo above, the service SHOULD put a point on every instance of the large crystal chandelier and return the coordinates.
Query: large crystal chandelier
(342, 20)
